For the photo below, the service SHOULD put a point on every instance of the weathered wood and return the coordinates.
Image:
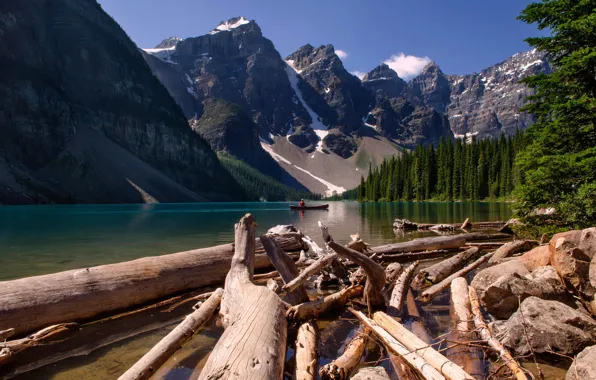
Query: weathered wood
(486, 245)
(476, 236)
(84, 293)
(399, 291)
(486, 335)
(148, 365)
(445, 366)
(466, 224)
(44, 336)
(512, 248)
(286, 268)
(274, 286)
(416, 319)
(434, 290)
(313, 309)
(309, 271)
(371, 373)
(375, 275)
(414, 256)
(306, 351)
(438, 272)
(422, 244)
(393, 345)
(254, 340)
(5, 334)
(358, 244)
(342, 367)
(464, 354)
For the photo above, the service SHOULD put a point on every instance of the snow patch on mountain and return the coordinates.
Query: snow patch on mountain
(229, 25)
(163, 54)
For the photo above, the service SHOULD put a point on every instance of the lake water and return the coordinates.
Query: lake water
(44, 239)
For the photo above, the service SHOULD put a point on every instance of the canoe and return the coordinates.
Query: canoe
(320, 207)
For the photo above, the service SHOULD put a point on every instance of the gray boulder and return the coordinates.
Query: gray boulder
(502, 298)
(548, 326)
(584, 366)
(488, 276)
(371, 373)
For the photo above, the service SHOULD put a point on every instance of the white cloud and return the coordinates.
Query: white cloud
(359, 74)
(341, 54)
(407, 66)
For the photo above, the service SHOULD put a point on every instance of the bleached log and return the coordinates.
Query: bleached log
(313, 309)
(416, 319)
(445, 366)
(422, 244)
(375, 275)
(512, 248)
(342, 367)
(84, 293)
(148, 365)
(434, 290)
(476, 236)
(441, 270)
(414, 256)
(393, 345)
(494, 343)
(309, 271)
(254, 340)
(399, 290)
(306, 351)
(274, 286)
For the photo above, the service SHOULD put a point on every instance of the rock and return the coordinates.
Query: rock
(283, 229)
(582, 239)
(584, 365)
(536, 258)
(488, 276)
(547, 326)
(404, 224)
(573, 263)
(502, 298)
(592, 272)
(371, 373)
(511, 248)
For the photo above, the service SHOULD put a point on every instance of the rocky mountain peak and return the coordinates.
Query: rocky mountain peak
(431, 68)
(380, 72)
(384, 82)
(168, 43)
(235, 23)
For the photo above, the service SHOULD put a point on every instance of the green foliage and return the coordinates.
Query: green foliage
(456, 170)
(559, 165)
(259, 186)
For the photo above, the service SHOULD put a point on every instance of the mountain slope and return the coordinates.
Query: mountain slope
(68, 69)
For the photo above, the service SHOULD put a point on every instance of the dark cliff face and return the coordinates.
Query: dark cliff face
(383, 82)
(69, 74)
(430, 88)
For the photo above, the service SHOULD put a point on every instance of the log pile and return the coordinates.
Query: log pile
(268, 315)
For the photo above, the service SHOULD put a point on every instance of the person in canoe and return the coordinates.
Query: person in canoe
(302, 203)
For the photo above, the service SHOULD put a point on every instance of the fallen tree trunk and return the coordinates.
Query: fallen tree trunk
(476, 236)
(254, 341)
(375, 275)
(309, 271)
(512, 248)
(148, 365)
(445, 366)
(438, 272)
(411, 357)
(462, 332)
(306, 351)
(414, 256)
(398, 295)
(313, 309)
(422, 244)
(84, 293)
(342, 367)
(432, 292)
(486, 335)
(416, 319)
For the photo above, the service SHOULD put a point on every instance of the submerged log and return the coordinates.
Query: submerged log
(342, 367)
(434, 290)
(422, 244)
(375, 275)
(306, 351)
(438, 272)
(393, 345)
(254, 341)
(462, 331)
(494, 343)
(445, 366)
(80, 294)
(148, 365)
(399, 291)
(313, 309)
(512, 248)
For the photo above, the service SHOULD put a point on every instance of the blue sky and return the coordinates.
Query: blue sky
(461, 36)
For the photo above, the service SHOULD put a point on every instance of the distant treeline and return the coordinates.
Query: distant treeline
(455, 170)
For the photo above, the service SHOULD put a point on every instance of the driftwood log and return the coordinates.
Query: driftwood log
(462, 331)
(512, 248)
(84, 293)
(422, 244)
(313, 309)
(445, 366)
(148, 365)
(375, 274)
(494, 343)
(309, 271)
(416, 319)
(434, 290)
(440, 271)
(398, 295)
(342, 367)
(476, 236)
(393, 345)
(306, 351)
(254, 341)
(414, 256)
